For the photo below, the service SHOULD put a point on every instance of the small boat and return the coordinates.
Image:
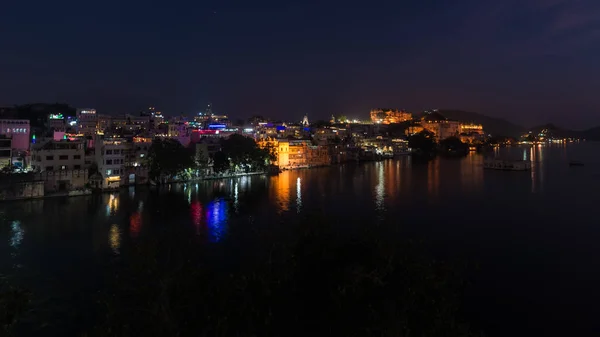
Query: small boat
(74, 193)
(575, 163)
(507, 165)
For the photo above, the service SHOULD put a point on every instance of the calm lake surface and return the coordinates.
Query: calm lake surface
(529, 240)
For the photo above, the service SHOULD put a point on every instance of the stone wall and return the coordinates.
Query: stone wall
(21, 190)
(63, 180)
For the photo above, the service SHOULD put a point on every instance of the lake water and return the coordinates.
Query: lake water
(529, 239)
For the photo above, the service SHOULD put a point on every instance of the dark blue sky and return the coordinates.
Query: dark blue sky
(529, 61)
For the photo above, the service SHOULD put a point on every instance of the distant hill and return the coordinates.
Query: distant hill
(591, 134)
(491, 125)
(555, 131)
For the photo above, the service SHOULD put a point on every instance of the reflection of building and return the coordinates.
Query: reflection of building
(440, 126)
(389, 116)
(282, 190)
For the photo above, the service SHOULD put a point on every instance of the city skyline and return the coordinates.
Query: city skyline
(527, 62)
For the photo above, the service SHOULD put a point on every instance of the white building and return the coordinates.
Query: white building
(58, 155)
(111, 156)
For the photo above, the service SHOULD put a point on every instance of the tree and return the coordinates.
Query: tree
(220, 162)
(244, 153)
(422, 142)
(454, 145)
(342, 119)
(167, 157)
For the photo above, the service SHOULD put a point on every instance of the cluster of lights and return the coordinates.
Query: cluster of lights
(16, 130)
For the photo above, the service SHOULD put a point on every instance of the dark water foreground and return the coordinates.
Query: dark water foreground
(394, 246)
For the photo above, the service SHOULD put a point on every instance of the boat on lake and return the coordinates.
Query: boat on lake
(575, 163)
(507, 165)
(75, 193)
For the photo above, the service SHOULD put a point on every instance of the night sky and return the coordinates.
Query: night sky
(529, 61)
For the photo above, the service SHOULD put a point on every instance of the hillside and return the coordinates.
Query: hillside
(558, 132)
(591, 134)
(491, 125)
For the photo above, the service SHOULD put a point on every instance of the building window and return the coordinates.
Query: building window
(49, 168)
(77, 156)
(77, 167)
(108, 151)
(109, 161)
(63, 167)
(49, 157)
(63, 157)
(116, 171)
(108, 172)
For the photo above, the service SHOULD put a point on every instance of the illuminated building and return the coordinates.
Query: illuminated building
(204, 119)
(110, 157)
(305, 121)
(296, 153)
(389, 116)
(87, 121)
(471, 128)
(414, 129)
(56, 122)
(327, 135)
(18, 130)
(440, 126)
(127, 123)
(471, 133)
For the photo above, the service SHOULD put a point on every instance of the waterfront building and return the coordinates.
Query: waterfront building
(58, 155)
(471, 133)
(440, 126)
(137, 154)
(389, 116)
(296, 153)
(414, 129)
(18, 130)
(468, 128)
(5, 151)
(110, 157)
(87, 121)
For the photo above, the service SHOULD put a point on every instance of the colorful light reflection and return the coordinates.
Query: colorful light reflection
(135, 224)
(216, 220)
(196, 213)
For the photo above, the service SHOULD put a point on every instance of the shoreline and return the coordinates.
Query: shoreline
(148, 184)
